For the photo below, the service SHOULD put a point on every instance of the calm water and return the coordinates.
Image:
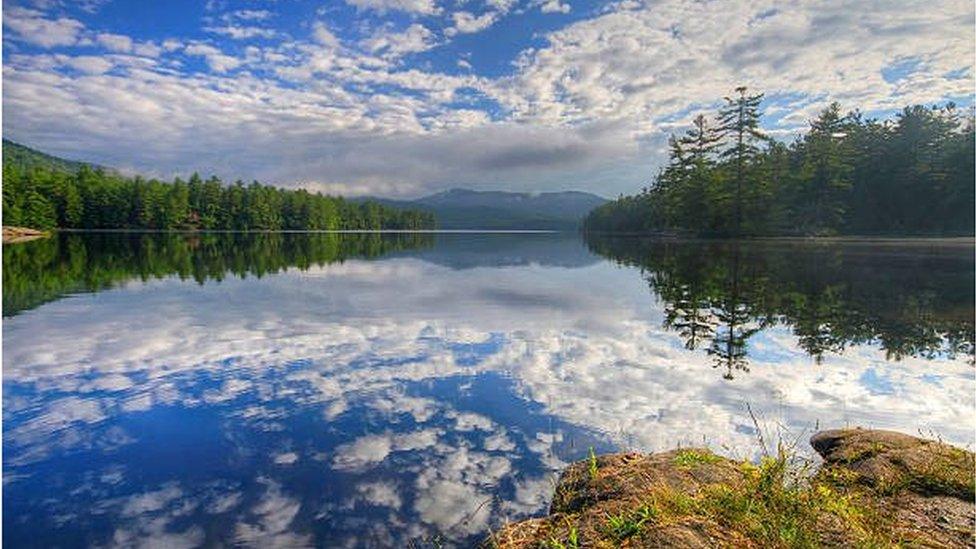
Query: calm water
(362, 390)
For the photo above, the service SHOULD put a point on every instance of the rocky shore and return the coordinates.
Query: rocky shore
(874, 488)
(21, 234)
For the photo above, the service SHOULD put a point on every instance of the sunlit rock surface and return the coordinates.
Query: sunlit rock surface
(873, 487)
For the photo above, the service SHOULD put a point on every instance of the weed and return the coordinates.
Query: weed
(628, 523)
(594, 469)
(572, 539)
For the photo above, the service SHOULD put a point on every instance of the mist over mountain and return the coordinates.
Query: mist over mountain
(499, 210)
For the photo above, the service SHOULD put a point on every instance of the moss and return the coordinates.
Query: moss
(862, 454)
(692, 458)
(950, 473)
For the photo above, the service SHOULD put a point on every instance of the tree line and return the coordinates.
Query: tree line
(44, 198)
(848, 174)
(719, 294)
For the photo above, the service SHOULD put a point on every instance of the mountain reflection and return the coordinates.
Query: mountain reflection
(911, 299)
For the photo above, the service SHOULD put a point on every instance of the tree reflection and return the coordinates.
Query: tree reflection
(43, 270)
(908, 298)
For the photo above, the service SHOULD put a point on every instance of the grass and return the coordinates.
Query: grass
(776, 505)
(624, 525)
(592, 465)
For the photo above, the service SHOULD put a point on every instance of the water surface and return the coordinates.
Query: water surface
(381, 390)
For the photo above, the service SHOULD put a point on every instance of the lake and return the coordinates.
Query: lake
(420, 389)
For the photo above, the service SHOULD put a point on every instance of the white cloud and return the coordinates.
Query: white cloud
(555, 6)
(466, 22)
(647, 63)
(273, 514)
(362, 453)
(251, 15)
(147, 49)
(413, 39)
(32, 27)
(216, 59)
(90, 64)
(242, 32)
(324, 36)
(421, 7)
(286, 458)
(115, 42)
(589, 108)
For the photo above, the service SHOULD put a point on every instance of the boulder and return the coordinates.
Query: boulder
(873, 488)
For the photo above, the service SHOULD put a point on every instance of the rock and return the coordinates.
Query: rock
(890, 462)
(927, 486)
(874, 488)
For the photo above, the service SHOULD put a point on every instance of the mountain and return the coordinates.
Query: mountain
(468, 209)
(26, 157)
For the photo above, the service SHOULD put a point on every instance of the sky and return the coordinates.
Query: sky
(402, 98)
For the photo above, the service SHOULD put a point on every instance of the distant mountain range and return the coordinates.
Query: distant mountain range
(454, 209)
(500, 210)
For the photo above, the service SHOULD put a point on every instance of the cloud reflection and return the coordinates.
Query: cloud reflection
(400, 399)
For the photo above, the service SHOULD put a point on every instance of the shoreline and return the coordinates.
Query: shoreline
(874, 488)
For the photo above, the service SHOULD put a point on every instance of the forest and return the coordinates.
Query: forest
(46, 196)
(848, 174)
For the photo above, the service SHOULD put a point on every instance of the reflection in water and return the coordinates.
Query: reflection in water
(912, 299)
(429, 394)
(45, 269)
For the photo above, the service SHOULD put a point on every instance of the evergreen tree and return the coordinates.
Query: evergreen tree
(847, 175)
(739, 122)
(825, 173)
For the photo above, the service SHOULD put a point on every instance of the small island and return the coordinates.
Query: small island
(874, 489)
(908, 175)
(12, 235)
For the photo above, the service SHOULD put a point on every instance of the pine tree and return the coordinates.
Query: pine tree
(826, 172)
(739, 122)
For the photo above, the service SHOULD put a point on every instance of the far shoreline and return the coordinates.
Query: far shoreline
(12, 234)
(880, 239)
(318, 231)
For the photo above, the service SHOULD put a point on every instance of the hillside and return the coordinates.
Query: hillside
(26, 158)
(497, 210)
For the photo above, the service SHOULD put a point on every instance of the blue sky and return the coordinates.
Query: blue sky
(406, 97)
